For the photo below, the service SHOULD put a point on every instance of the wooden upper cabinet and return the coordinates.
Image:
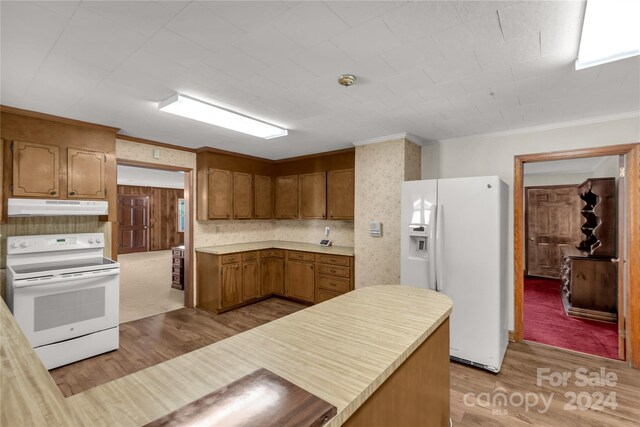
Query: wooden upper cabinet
(36, 170)
(86, 174)
(313, 195)
(220, 194)
(242, 195)
(340, 193)
(261, 196)
(287, 196)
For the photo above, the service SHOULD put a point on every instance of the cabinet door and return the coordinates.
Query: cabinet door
(231, 285)
(220, 194)
(287, 196)
(35, 169)
(300, 280)
(313, 195)
(262, 196)
(273, 276)
(250, 280)
(85, 174)
(340, 193)
(242, 195)
(2, 180)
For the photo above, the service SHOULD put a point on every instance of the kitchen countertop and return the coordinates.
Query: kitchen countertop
(341, 350)
(277, 244)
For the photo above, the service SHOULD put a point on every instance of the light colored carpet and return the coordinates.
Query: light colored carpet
(145, 285)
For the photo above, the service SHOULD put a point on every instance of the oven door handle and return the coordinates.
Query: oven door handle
(65, 278)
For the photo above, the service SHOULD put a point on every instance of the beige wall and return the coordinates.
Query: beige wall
(608, 168)
(380, 170)
(494, 155)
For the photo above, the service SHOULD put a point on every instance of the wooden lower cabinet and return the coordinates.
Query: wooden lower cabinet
(251, 288)
(300, 280)
(273, 276)
(229, 281)
(231, 285)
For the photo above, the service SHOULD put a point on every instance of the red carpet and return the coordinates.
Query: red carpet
(546, 322)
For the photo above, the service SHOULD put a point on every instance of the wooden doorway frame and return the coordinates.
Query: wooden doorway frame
(631, 268)
(188, 234)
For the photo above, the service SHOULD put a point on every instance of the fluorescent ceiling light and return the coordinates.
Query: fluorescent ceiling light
(191, 108)
(611, 31)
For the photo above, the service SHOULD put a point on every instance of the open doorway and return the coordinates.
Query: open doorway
(152, 216)
(627, 241)
(571, 231)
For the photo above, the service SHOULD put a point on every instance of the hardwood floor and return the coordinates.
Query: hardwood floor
(518, 377)
(475, 393)
(152, 340)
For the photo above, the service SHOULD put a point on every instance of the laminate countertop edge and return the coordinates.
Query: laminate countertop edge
(276, 244)
(310, 348)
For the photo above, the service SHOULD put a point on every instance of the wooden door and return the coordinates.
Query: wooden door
(341, 193)
(300, 280)
(273, 276)
(251, 288)
(313, 195)
(133, 224)
(36, 170)
(242, 195)
(287, 196)
(231, 285)
(220, 194)
(85, 174)
(553, 221)
(262, 196)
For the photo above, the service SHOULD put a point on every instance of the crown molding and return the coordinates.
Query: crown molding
(405, 135)
(58, 119)
(550, 126)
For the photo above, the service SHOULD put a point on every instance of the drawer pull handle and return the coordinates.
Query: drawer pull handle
(333, 271)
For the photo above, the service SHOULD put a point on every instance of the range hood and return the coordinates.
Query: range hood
(49, 207)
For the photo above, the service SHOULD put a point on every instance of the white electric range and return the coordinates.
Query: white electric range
(64, 295)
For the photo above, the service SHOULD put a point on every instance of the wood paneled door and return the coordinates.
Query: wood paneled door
(85, 170)
(36, 169)
(553, 221)
(133, 224)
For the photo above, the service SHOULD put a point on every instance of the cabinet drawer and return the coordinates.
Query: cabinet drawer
(301, 256)
(176, 279)
(272, 253)
(230, 259)
(334, 271)
(250, 256)
(334, 260)
(335, 284)
(176, 270)
(177, 254)
(326, 295)
(177, 262)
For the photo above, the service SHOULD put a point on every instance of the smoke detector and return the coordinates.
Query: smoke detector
(347, 80)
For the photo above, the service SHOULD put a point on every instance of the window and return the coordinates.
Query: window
(181, 215)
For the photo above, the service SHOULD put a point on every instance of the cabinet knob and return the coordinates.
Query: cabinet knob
(72, 193)
(52, 193)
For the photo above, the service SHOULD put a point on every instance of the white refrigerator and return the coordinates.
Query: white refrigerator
(454, 241)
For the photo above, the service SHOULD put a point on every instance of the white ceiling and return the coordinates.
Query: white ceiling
(129, 175)
(423, 67)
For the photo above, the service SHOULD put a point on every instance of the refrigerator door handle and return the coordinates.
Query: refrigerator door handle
(433, 220)
(439, 248)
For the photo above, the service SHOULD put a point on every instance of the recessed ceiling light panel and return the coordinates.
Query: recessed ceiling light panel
(610, 32)
(192, 108)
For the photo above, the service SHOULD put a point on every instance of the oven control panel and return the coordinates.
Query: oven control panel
(52, 243)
